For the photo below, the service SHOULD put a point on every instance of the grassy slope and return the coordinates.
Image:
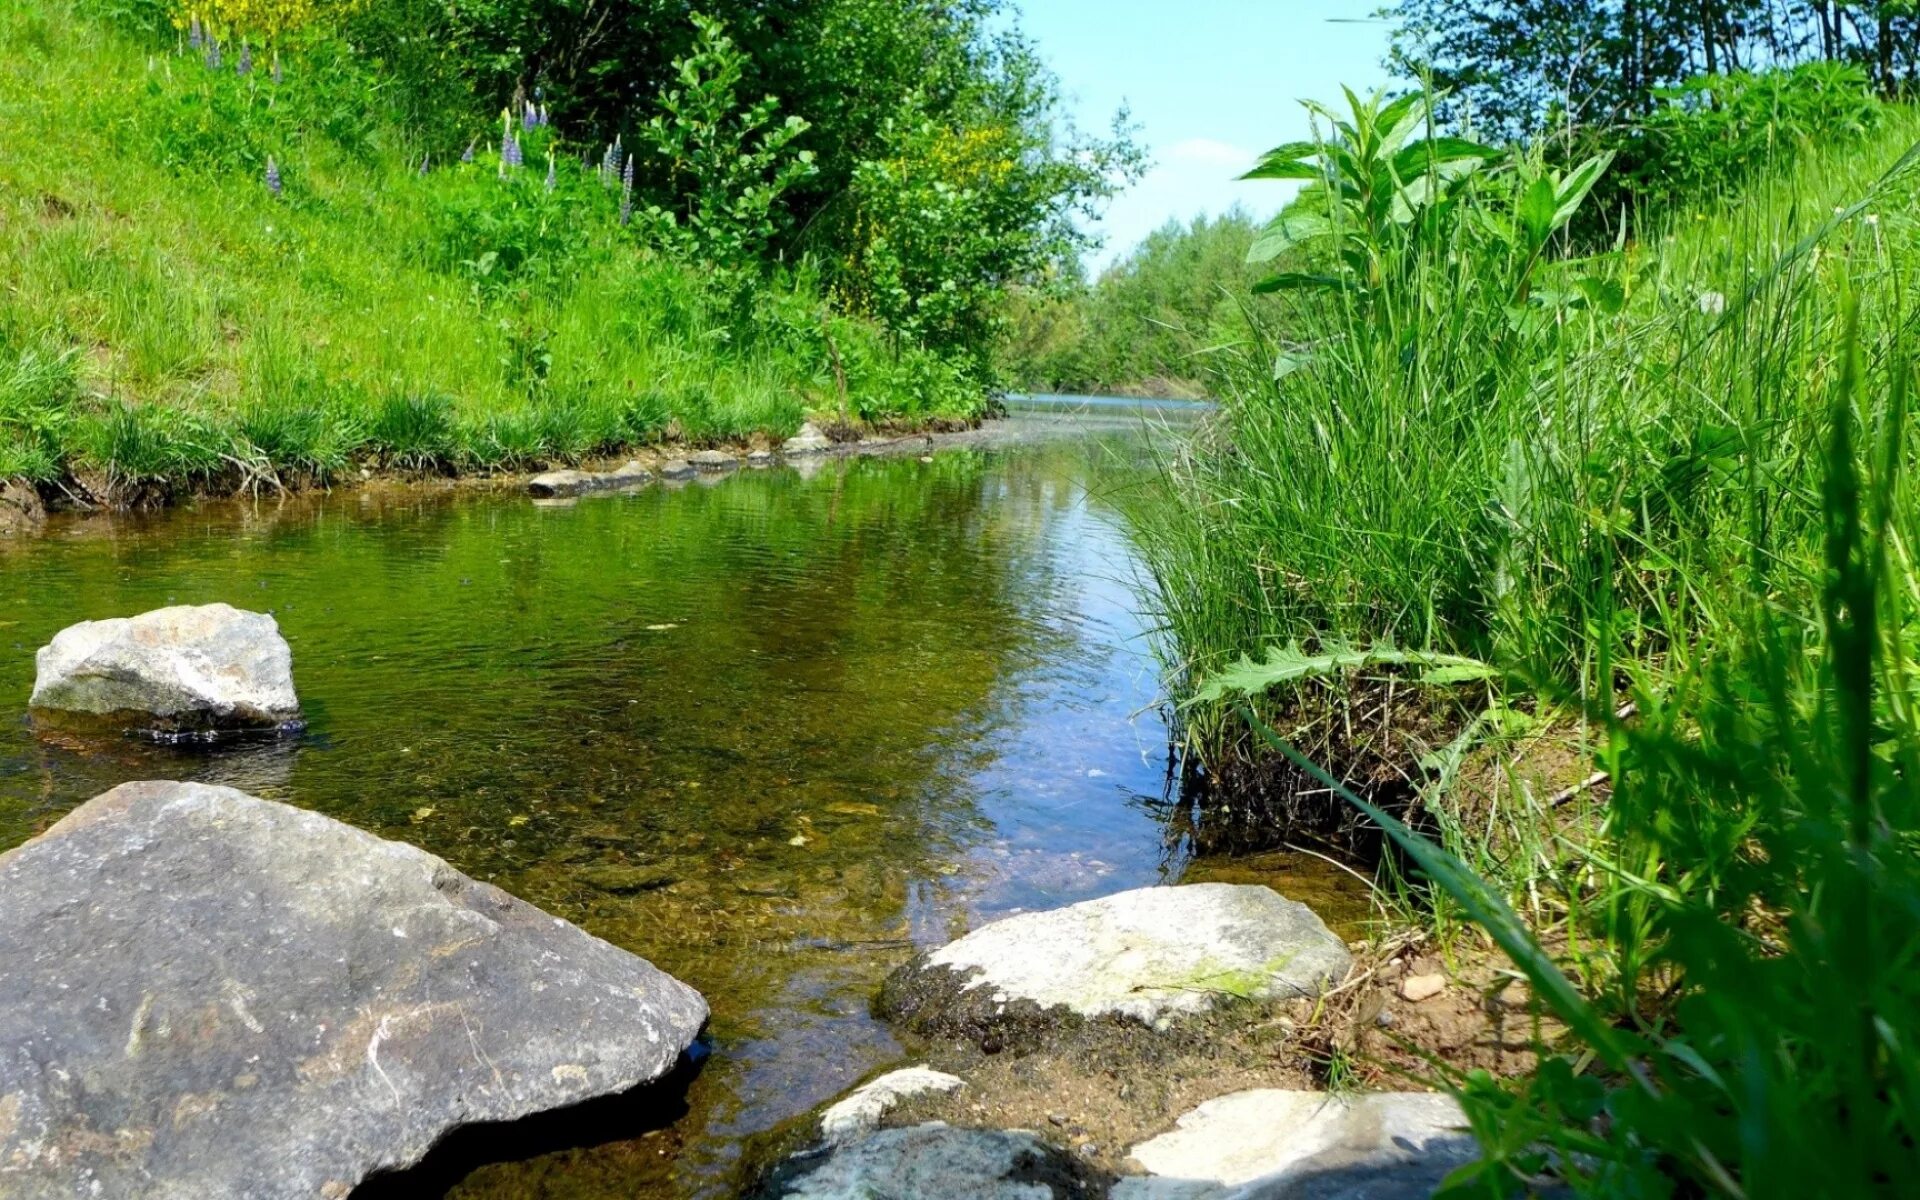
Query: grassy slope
(163, 314)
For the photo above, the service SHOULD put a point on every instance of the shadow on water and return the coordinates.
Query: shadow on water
(770, 734)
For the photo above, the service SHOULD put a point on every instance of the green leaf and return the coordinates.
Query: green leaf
(1572, 191)
(1286, 231)
(1536, 211)
(1295, 160)
(1288, 281)
(1290, 664)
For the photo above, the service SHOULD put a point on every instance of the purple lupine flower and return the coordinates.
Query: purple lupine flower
(467, 155)
(196, 37)
(626, 192)
(244, 66)
(510, 152)
(426, 160)
(529, 118)
(277, 77)
(273, 176)
(553, 178)
(213, 54)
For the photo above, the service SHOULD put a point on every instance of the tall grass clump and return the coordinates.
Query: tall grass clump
(1747, 1020)
(1468, 438)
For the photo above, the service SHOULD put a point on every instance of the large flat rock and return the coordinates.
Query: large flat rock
(209, 667)
(1270, 1144)
(1151, 954)
(206, 995)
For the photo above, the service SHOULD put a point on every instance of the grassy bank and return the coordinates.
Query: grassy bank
(1554, 485)
(1484, 513)
(171, 318)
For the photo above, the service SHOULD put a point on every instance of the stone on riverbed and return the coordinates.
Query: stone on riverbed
(936, 1160)
(860, 1112)
(206, 669)
(678, 468)
(207, 994)
(1270, 1144)
(1152, 954)
(712, 460)
(21, 509)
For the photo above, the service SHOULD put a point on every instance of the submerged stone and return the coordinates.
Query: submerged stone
(208, 994)
(1150, 955)
(936, 1160)
(1271, 1144)
(861, 1110)
(209, 668)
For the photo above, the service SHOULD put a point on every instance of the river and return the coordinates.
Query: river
(771, 730)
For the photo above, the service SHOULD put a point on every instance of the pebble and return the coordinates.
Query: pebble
(1416, 988)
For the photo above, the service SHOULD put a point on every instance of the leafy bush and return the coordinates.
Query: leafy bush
(1710, 134)
(726, 164)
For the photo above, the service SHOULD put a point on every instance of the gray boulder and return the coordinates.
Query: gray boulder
(678, 468)
(712, 460)
(211, 996)
(206, 668)
(1270, 1144)
(936, 1160)
(1151, 955)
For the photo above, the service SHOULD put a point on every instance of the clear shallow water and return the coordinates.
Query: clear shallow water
(770, 732)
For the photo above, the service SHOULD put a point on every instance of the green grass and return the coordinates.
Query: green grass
(211, 332)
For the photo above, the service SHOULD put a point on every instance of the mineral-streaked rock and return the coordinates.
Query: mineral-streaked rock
(1150, 954)
(1270, 1144)
(212, 667)
(860, 1112)
(209, 995)
(936, 1160)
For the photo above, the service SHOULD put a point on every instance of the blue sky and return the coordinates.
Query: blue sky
(1211, 83)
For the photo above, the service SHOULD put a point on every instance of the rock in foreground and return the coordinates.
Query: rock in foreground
(1150, 954)
(1281, 1145)
(187, 669)
(936, 1160)
(210, 995)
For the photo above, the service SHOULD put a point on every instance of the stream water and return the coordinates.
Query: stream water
(771, 731)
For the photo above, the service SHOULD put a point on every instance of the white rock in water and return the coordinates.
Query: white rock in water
(807, 441)
(1149, 954)
(861, 1111)
(206, 994)
(207, 667)
(1269, 1144)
